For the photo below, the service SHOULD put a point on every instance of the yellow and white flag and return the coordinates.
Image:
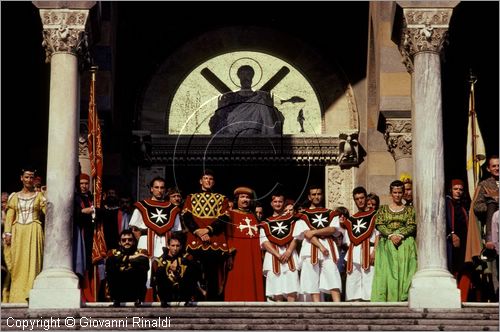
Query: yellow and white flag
(476, 153)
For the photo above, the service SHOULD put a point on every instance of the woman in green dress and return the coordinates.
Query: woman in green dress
(396, 253)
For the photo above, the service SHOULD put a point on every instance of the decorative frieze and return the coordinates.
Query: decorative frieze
(398, 137)
(64, 32)
(286, 150)
(424, 30)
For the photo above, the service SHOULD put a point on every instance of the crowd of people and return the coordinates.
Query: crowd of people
(208, 247)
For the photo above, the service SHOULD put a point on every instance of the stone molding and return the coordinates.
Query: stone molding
(286, 150)
(398, 137)
(338, 187)
(64, 32)
(424, 30)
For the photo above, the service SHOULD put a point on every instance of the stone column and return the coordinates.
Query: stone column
(398, 138)
(424, 31)
(63, 30)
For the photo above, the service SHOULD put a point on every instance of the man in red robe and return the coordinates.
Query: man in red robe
(244, 280)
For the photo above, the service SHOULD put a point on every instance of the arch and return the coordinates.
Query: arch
(334, 93)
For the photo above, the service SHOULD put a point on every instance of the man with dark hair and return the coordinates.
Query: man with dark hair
(485, 204)
(408, 192)
(88, 263)
(111, 206)
(278, 203)
(319, 252)
(154, 218)
(259, 211)
(359, 195)
(280, 265)
(126, 271)
(174, 274)
(153, 221)
(244, 279)
(206, 237)
(361, 240)
(174, 196)
(124, 213)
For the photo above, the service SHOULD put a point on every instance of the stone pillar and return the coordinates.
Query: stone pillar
(424, 31)
(63, 30)
(399, 139)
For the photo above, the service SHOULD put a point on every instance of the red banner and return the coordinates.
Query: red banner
(95, 145)
(95, 154)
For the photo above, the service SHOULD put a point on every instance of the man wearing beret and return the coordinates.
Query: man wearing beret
(244, 279)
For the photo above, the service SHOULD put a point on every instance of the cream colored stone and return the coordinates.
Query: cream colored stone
(398, 103)
(54, 289)
(395, 84)
(376, 141)
(390, 60)
(381, 163)
(432, 285)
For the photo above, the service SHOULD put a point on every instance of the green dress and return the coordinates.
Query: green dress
(394, 267)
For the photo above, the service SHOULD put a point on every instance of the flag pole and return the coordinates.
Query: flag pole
(472, 113)
(93, 71)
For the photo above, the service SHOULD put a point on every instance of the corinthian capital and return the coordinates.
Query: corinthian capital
(423, 30)
(64, 31)
(398, 137)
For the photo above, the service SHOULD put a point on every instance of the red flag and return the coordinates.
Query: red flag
(95, 145)
(95, 154)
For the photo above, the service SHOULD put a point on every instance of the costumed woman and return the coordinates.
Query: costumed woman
(23, 238)
(396, 254)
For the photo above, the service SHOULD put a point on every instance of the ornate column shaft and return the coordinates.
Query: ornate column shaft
(399, 141)
(423, 36)
(63, 30)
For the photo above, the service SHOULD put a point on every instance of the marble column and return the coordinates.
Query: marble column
(424, 31)
(399, 141)
(63, 30)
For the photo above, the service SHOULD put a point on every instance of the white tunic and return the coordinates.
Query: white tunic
(158, 241)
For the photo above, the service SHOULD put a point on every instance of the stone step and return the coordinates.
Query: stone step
(251, 315)
(257, 316)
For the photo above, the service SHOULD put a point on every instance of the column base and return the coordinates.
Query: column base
(54, 289)
(434, 288)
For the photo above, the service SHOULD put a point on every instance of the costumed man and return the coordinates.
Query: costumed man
(109, 212)
(127, 270)
(244, 279)
(280, 260)
(175, 276)
(89, 248)
(206, 237)
(485, 204)
(152, 222)
(319, 253)
(456, 230)
(174, 196)
(361, 239)
(124, 213)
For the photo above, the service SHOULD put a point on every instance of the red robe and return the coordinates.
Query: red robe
(244, 281)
